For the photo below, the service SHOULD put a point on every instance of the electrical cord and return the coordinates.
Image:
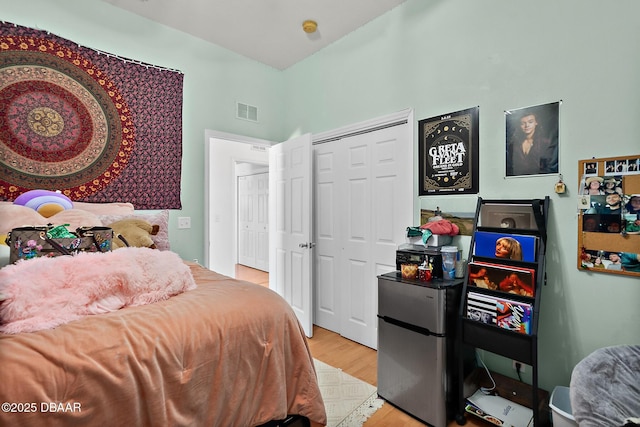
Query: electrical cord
(486, 390)
(518, 370)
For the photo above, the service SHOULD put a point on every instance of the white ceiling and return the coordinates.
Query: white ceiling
(268, 31)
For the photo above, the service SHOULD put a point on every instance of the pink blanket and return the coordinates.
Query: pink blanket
(226, 354)
(43, 293)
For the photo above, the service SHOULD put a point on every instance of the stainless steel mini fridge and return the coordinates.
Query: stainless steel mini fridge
(416, 340)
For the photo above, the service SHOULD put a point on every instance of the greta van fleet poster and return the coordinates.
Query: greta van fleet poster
(448, 153)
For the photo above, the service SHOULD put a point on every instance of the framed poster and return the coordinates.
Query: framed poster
(448, 153)
(532, 140)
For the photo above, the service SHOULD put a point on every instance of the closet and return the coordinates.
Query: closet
(363, 203)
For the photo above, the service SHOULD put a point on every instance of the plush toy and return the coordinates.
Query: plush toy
(47, 203)
(136, 232)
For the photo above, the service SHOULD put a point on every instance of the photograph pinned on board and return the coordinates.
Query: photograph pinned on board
(591, 168)
(601, 223)
(633, 166)
(610, 166)
(592, 186)
(610, 260)
(631, 216)
(532, 140)
(612, 184)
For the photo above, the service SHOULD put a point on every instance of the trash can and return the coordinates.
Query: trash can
(560, 404)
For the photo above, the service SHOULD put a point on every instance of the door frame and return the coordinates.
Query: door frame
(225, 267)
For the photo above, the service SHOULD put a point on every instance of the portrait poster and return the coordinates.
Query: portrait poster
(448, 153)
(532, 140)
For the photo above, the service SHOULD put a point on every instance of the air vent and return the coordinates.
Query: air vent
(247, 112)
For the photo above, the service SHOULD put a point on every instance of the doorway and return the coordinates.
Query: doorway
(223, 153)
(374, 259)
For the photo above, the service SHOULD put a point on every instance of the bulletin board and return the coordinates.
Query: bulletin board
(609, 215)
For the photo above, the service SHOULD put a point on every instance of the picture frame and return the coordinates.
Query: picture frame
(448, 153)
(532, 140)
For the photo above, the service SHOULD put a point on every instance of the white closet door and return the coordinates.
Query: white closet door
(246, 227)
(329, 167)
(364, 204)
(253, 221)
(262, 221)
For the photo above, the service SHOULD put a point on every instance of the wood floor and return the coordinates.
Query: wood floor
(355, 359)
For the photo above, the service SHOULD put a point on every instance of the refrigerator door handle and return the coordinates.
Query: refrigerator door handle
(409, 326)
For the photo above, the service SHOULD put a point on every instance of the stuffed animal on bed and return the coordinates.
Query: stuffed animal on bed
(136, 233)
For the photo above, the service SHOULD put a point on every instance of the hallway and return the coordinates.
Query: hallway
(252, 275)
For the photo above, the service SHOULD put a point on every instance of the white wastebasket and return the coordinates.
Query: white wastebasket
(560, 404)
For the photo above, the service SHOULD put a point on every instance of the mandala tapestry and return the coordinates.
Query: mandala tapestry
(97, 127)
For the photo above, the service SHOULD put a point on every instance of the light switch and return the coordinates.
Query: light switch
(184, 222)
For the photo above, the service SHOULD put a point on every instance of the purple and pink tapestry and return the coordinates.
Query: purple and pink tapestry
(97, 127)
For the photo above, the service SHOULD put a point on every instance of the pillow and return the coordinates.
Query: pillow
(46, 202)
(115, 208)
(161, 218)
(12, 216)
(75, 218)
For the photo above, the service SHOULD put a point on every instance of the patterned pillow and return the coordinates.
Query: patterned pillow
(161, 218)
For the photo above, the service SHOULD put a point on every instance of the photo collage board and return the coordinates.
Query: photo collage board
(609, 220)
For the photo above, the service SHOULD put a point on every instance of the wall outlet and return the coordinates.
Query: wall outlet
(515, 367)
(184, 222)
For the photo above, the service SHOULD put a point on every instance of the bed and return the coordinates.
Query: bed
(225, 353)
(605, 388)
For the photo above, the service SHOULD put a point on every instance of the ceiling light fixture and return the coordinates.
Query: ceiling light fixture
(309, 26)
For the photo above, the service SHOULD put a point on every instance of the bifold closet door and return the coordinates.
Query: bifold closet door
(364, 202)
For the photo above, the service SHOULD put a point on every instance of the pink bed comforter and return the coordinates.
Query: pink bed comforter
(228, 353)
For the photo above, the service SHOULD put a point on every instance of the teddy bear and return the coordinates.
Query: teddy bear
(133, 232)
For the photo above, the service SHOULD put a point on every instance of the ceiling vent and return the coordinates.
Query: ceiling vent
(247, 112)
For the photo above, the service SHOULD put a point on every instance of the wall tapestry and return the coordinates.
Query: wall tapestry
(95, 126)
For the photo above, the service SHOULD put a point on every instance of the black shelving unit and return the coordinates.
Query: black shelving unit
(507, 343)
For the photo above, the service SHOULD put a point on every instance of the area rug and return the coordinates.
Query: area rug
(349, 402)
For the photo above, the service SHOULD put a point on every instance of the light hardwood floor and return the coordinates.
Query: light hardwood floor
(355, 359)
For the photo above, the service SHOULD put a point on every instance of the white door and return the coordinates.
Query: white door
(364, 199)
(262, 221)
(290, 228)
(253, 226)
(246, 226)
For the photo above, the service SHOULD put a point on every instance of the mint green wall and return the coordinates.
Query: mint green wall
(446, 55)
(436, 56)
(214, 80)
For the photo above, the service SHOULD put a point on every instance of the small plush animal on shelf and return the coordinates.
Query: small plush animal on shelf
(133, 232)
